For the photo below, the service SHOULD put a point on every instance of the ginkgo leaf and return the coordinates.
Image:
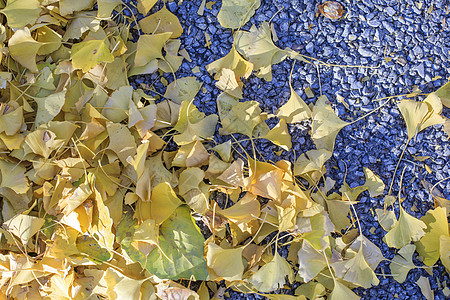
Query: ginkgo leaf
(88, 246)
(374, 184)
(310, 161)
(105, 7)
(325, 124)
(121, 141)
(50, 39)
(67, 7)
(235, 13)
(24, 227)
(371, 252)
(13, 177)
(164, 202)
(87, 54)
(386, 218)
(356, 270)
(160, 22)
(257, 46)
(23, 48)
(445, 251)
(272, 275)
(444, 94)
(402, 263)
(183, 89)
(420, 115)
(340, 291)
(310, 261)
(437, 225)
(228, 82)
(190, 179)
(425, 288)
(49, 107)
(20, 13)
(120, 286)
(238, 117)
(149, 47)
(406, 229)
(118, 104)
(144, 6)
(182, 243)
(232, 61)
(11, 120)
(279, 135)
(295, 109)
(226, 263)
(244, 211)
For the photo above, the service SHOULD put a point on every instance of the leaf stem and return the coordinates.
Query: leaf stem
(396, 167)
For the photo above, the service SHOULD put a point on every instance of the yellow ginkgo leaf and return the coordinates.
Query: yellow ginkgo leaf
(279, 135)
(23, 48)
(226, 263)
(87, 54)
(445, 251)
(233, 61)
(13, 177)
(11, 120)
(105, 7)
(340, 291)
(149, 47)
(444, 94)
(49, 107)
(50, 39)
(405, 230)
(437, 225)
(420, 115)
(402, 263)
(374, 184)
(235, 13)
(312, 161)
(356, 270)
(67, 7)
(272, 275)
(121, 141)
(164, 202)
(310, 261)
(20, 13)
(257, 46)
(244, 211)
(160, 22)
(117, 105)
(295, 109)
(386, 218)
(325, 124)
(144, 6)
(183, 89)
(24, 226)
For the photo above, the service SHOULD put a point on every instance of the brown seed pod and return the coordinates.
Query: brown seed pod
(331, 9)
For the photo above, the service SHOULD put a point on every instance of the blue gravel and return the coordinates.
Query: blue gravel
(410, 47)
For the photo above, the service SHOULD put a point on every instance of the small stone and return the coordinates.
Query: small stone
(421, 70)
(310, 47)
(365, 52)
(390, 11)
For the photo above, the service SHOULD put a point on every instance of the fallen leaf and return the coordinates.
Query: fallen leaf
(225, 263)
(23, 48)
(160, 22)
(279, 135)
(425, 288)
(402, 263)
(87, 54)
(24, 227)
(20, 13)
(272, 275)
(235, 13)
(405, 230)
(149, 47)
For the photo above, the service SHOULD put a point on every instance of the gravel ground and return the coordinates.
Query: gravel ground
(407, 41)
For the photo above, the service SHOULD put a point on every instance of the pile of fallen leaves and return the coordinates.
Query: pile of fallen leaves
(94, 205)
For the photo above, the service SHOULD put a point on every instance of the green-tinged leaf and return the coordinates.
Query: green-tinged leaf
(257, 46)
(87, 54)
(374, 184)
(272, 275)
(182, 243)
(325, 124)
(124, 236)
(24, 226)
(226, 263)
(88, 246)
(429, 245)
(310, 261)
(20, 13)
(406, 229)
(49, 107)
(420, 115)
(425, 288)
(23, 48)
(279, 135)
(340, 291)
(149, 47)
(183, 89)
(402, 263)
(160, 22)
(235, 13)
